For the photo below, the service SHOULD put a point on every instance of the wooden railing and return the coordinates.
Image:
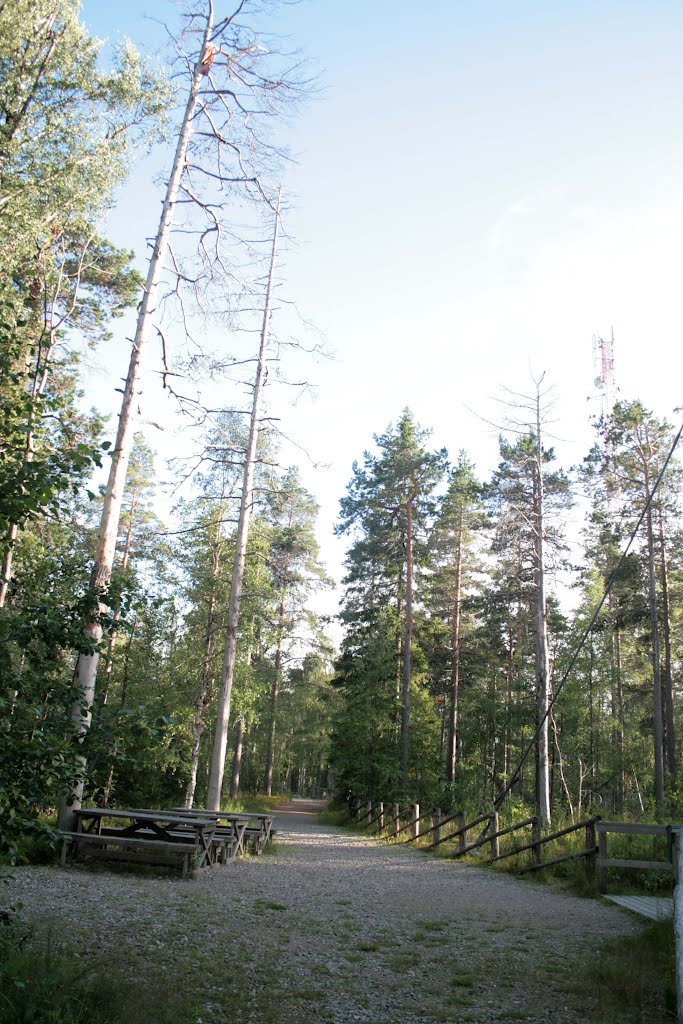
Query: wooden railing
(619, 827)
(397, 822)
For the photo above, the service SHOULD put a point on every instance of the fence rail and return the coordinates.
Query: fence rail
(594, 849)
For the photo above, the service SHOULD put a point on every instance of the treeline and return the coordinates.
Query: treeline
(126, 645)
(456, 644)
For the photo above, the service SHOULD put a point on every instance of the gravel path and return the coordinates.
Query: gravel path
(335, 928)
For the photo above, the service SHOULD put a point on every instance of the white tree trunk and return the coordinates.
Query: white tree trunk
(213, 801)
(86, 668)
(541, 646)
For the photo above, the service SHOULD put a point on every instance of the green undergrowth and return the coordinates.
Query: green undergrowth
(259, 804)
(339, 819)
(40, 984)
(634, 977)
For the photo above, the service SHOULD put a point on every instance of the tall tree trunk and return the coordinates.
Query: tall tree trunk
(8, 556)
(542, 657)
(658, 724)
(228, 669)
(455, 655)
(667, 681)
(407, 643)
(117, 613)
(274, 694)
(621, 714)
(203, 697)
(508, 700)
(86, 668)
(237, 759)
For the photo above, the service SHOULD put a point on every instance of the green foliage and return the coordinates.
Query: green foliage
(37, 635)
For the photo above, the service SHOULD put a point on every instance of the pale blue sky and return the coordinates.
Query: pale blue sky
(480, 187)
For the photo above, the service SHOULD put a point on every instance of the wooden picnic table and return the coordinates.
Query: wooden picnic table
(151, 837)
(229, 825)
(256, 827)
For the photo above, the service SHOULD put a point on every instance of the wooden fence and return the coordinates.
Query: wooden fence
(454, 828)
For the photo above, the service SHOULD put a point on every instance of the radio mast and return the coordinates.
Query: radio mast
(606, 384)
(605, 381)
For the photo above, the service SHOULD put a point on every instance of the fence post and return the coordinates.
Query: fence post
(436, 822)
(602, 855)
(536, 840)
(462, 838)
(495, 845)
(415, 830)
(367, 817)
(396, 815)
(355, 810)
(380, 820)
(590, 846)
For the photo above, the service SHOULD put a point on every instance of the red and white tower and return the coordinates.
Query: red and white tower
(605, 381)
(606, 384)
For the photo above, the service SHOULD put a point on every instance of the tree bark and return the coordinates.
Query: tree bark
(237, 759)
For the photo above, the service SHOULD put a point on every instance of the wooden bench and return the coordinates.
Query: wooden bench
(224, 844)
(149, 837)
(106, 846)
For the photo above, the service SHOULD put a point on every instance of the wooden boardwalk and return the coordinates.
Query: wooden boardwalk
(654, 907)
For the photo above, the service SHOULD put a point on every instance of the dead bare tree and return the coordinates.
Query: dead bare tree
(222, 146)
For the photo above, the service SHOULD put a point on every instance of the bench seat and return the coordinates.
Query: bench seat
(112, 846)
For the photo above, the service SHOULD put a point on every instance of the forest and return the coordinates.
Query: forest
(516, 638)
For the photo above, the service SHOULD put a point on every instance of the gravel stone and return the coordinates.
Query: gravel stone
(331, 927)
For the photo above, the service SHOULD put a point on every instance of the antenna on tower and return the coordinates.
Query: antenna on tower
(606, 384)
(605, 381)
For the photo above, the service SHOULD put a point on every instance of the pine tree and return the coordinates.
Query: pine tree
(389, 505)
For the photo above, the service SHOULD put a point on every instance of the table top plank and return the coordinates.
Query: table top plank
(141, 815)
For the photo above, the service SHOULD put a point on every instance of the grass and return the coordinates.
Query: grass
(336, 818)
(635, 976)
(40, 985)
(258, 804)
(262, 905)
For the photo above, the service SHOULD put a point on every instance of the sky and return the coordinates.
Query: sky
(478, 189)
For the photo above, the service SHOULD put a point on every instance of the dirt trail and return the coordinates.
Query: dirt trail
(332, 927)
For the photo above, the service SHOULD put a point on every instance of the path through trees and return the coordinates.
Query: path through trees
(332, 927)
